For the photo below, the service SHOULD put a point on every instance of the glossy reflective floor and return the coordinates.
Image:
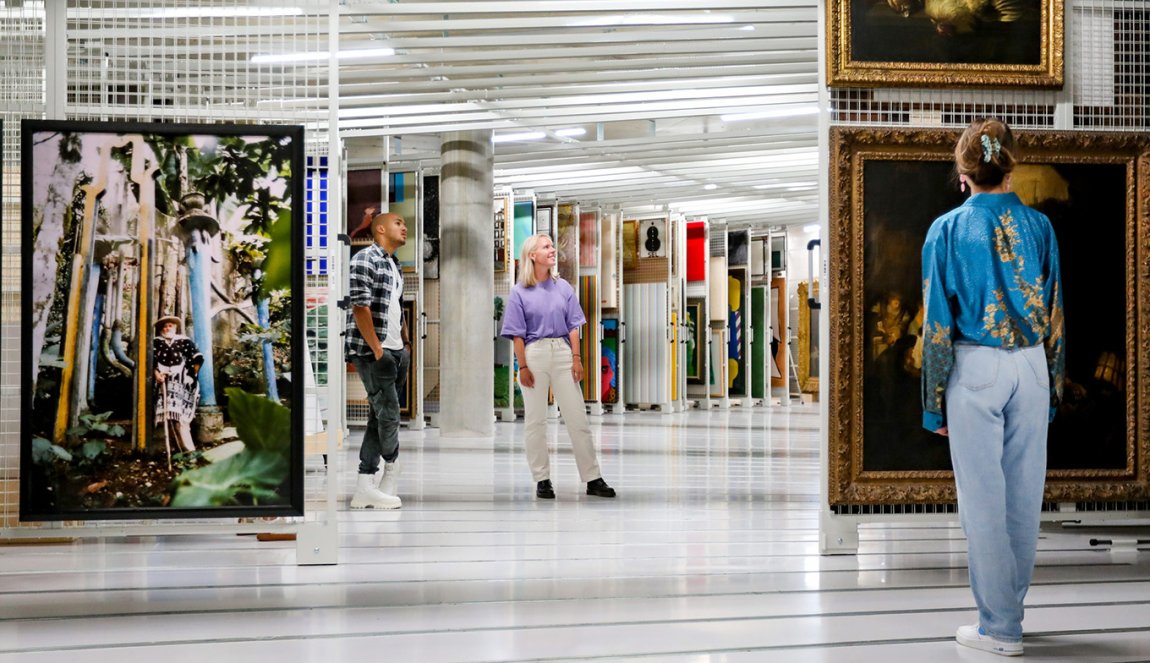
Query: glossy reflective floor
(708, 554)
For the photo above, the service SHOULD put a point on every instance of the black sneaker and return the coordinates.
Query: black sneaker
(544, 491)
(599, 488)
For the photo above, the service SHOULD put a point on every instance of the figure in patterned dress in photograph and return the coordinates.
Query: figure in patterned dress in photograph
(176, 368)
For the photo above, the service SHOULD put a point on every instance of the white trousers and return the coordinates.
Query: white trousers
(550, 362)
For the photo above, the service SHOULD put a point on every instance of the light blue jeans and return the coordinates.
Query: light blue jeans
(997, 409)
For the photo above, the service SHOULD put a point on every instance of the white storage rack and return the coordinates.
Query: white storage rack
(73, 61)
(1107, 87)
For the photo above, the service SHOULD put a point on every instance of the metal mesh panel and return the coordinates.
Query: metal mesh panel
(132, 60)
(22, 69)
(1107, 47)
(223, 60)
(1111, 69)
(942, 108)
(718, 241)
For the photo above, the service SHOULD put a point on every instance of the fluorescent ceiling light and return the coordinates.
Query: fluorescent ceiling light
(641, 18)
(526, 135)
(811, 228)
(310, 56)
(573, 131)
(793, 111)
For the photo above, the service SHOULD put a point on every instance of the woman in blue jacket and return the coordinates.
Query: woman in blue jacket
(993, 371)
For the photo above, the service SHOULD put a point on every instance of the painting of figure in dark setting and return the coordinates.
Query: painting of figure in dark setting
(1094, 272)
(896, 198)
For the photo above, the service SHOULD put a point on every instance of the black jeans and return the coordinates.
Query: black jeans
(383, 379)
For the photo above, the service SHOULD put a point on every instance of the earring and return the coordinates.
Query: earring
(962, 184)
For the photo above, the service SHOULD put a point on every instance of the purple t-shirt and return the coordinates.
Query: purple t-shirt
(548, 309)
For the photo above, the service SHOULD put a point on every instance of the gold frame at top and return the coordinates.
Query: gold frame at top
(844, 71)
(851, 148)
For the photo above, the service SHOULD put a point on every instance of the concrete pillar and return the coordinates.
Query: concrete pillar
(467, 289)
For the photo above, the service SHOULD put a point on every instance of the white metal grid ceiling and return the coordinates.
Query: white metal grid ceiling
(647, 87)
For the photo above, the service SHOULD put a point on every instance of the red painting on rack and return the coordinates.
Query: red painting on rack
(697, 251)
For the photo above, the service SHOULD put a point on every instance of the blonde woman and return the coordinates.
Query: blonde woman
(543, 318)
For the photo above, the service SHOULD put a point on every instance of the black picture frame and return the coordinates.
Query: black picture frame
(137, 208)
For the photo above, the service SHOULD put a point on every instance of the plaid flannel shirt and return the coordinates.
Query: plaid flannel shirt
(374, 275)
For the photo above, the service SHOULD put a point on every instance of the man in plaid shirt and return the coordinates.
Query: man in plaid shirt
(376, 343)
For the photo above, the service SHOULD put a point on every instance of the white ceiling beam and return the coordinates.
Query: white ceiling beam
(785, 94)
(734, 31)
(574, 52)
(759, 158)
(589, 23)
(352, 72)
(355, 92)
(719, 86)
(578, 114)
(564, 6)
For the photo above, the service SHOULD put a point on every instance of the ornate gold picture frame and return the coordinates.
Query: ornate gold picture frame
(808, 361)
(935, 43)
(887, 187)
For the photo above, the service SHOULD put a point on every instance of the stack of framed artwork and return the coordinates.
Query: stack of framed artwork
(588, 287)
(610, 294)
(647, 362)
(503, 221)
(740, 370)
(718, 289)
(404, 192)
(697, 318)
(760, 312)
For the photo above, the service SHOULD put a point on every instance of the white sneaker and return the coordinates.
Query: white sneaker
(973, 637)
(389, 481)
(367, 496)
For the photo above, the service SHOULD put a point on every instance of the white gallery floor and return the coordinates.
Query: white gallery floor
(708, 554)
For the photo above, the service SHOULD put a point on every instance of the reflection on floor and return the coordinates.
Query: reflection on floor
(708, 554)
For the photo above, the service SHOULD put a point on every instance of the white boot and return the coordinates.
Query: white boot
(367, 496)
(389, 481)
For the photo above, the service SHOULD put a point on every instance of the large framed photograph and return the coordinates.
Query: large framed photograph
(887, 187)
(945, 43)
(162, 371)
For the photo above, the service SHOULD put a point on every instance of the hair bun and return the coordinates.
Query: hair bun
(984, 152)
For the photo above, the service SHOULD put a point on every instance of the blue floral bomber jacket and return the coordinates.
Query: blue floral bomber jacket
(990, 276)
